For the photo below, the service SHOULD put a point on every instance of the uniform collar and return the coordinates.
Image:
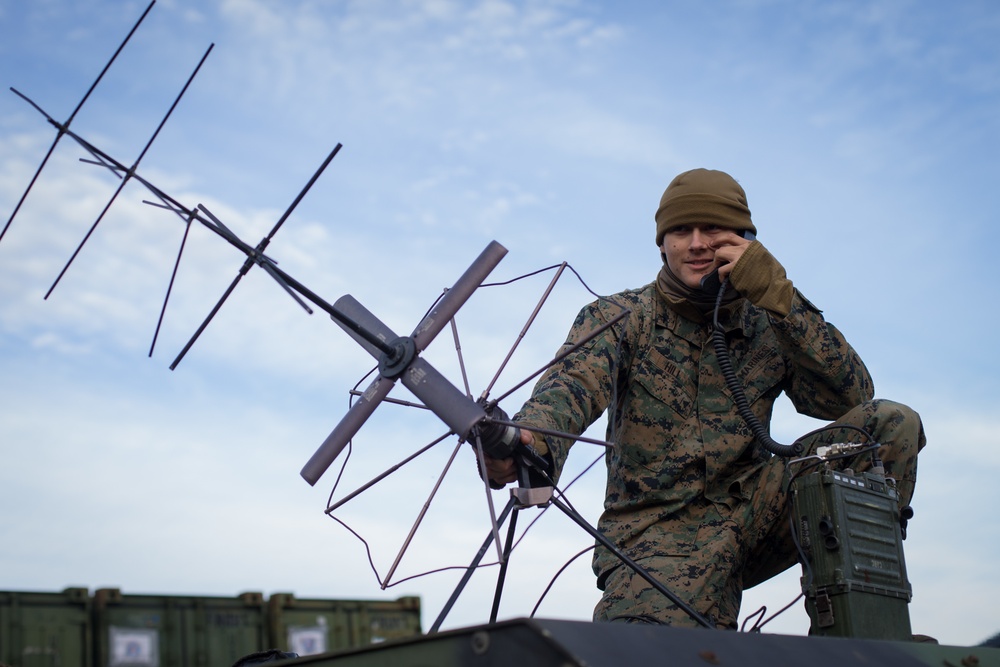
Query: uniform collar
(686, 321)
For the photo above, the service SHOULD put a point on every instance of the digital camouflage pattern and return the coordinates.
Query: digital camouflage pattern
(689, 495)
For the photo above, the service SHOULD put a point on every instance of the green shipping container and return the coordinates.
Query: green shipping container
(176, 631)
(310, 627)
(46, 629)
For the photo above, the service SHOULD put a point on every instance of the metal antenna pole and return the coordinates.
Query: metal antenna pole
(576, 346)
(420, 516)
(524, 329)
(332, 508)
(170, 285)
(480, 457)
(461, 359)
(494, 525)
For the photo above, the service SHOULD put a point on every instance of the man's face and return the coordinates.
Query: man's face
(690, 251)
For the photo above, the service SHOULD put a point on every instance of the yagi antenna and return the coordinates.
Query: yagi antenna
(64, 127)
(398, 356)
(254, 254)
(130, 172)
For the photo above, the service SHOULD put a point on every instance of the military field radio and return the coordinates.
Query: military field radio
(848, 525)
(849, 528)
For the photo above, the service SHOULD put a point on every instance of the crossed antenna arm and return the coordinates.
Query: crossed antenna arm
(459, 412)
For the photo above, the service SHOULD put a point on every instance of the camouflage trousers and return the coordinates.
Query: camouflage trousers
(748, 541)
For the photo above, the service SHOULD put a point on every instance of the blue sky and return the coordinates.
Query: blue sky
(865, 134)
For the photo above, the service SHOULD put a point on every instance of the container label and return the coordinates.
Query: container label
(133, 647)
(307, 640)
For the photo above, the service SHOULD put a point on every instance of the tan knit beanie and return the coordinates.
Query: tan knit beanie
(703, 196)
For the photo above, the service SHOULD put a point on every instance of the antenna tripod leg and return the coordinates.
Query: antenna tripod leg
(507, 548)
(529, 500)
(470, 569)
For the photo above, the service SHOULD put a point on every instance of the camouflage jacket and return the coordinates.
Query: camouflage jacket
(677, 437)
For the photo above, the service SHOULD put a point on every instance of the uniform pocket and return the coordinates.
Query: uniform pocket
(665, 382)
(657, 419)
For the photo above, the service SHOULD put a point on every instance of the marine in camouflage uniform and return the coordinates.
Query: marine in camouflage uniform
(690, 496)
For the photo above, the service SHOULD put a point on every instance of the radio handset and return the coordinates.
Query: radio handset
(710, 282)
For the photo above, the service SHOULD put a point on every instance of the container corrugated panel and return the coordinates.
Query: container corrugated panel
(391, 619)
(176, 631)
(46, 629)
(313, 626)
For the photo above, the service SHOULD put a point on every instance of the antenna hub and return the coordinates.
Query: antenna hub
(404, 350)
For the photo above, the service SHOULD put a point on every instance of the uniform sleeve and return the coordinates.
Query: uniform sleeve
(828, 378)
(574, 392)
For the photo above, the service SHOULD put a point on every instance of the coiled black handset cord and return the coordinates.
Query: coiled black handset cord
(739, 395)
